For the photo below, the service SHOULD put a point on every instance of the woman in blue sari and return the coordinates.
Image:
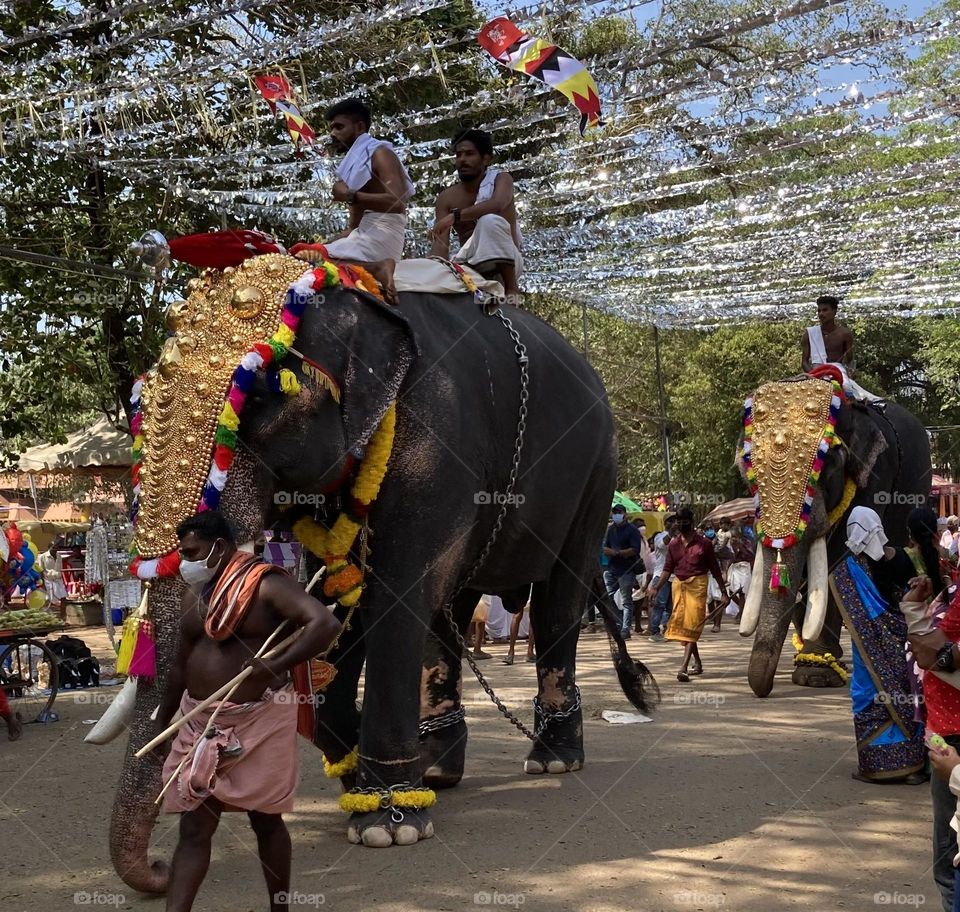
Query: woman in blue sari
(867, 586)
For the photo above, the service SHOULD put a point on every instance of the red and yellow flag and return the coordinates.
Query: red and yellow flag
(546, 62)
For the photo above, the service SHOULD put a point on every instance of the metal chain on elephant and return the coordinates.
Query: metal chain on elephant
(523, 362)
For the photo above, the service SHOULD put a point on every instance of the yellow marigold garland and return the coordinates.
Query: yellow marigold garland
(827, 660)
(347, 765)
(849, 492)
(367, 803)
(344, 581)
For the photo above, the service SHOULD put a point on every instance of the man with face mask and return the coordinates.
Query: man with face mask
(690, 557)
(480, 208)
(248, 760)
(622, 546)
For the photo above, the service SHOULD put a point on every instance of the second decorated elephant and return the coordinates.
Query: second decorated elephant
(811, 455)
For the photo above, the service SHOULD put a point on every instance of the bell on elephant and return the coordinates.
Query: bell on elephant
(808, 464)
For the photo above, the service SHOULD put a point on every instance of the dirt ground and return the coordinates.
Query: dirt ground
(723, 802)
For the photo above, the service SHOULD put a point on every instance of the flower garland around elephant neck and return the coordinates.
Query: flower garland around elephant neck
(344, 581)
(813, 477)
(260, 357)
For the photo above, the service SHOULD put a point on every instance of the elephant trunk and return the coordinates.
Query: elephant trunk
(134, 808)
(773, 621)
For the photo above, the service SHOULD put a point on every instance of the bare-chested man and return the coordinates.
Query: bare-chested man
(827, 342)
(375, 185)
(830, 343)
(247, 760)
(481, 210)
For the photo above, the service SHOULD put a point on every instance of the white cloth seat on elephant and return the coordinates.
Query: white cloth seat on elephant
(379, 236)
(438, 278)
(491, 243)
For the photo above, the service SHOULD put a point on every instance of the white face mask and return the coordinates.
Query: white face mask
(618, 518)
(196, 573)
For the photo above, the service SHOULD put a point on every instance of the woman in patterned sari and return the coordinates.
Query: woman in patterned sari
(867, 586)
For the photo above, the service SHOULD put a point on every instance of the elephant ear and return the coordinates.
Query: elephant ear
(382, 348)
(863, 440)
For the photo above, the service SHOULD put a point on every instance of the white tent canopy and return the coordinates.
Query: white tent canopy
(102, 444)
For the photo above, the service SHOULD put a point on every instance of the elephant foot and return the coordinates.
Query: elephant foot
(443, 753)
(559, 749)
(817, 676)
(381, 829)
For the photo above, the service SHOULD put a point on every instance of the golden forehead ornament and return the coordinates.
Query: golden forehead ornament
(223, 316)
(789, 422)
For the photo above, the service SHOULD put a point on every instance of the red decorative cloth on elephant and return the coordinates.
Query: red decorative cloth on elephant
(248, 759)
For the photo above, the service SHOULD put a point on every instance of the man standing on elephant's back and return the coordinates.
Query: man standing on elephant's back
(690, 557)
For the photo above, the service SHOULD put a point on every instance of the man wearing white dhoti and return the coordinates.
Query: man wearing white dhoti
(372, 181)
(830, 343)
(480, 208)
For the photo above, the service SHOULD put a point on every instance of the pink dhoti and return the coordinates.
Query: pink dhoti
(248, 760)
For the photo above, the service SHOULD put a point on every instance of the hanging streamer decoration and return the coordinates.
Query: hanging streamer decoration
(278, 94)
(544, 61)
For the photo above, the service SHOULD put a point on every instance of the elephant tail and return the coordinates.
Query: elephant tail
(636, 680)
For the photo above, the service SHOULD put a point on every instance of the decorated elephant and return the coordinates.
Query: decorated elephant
(810, 455)
(426, 453)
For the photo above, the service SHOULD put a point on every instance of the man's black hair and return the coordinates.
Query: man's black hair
(208, 526)
(619, 508)
(482, 140)
(831, 302)
(686, 514)
(350, 107)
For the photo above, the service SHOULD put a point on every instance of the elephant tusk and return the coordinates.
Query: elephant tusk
(751, 605)
(817, 571)
(117, 717)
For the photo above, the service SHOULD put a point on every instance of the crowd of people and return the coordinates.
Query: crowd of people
(680, 578)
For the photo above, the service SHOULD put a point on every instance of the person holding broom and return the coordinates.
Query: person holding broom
(246, 758)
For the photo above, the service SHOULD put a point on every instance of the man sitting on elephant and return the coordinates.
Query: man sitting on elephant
(247, 760)
(375, 186)
(481, 210)
(832, 344)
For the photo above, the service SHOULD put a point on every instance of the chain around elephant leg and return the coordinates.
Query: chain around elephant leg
(558, 747)
(385, 810)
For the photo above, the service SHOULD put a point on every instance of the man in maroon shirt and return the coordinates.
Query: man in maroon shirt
(690, 557)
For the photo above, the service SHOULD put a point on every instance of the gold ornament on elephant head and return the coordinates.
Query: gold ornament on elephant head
(223, 316)
(789, 422)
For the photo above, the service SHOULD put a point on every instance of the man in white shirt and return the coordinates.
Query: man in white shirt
(660, 611)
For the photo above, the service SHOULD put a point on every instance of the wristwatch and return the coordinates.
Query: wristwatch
(352, 198)
(945, 660)
(456, 216)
